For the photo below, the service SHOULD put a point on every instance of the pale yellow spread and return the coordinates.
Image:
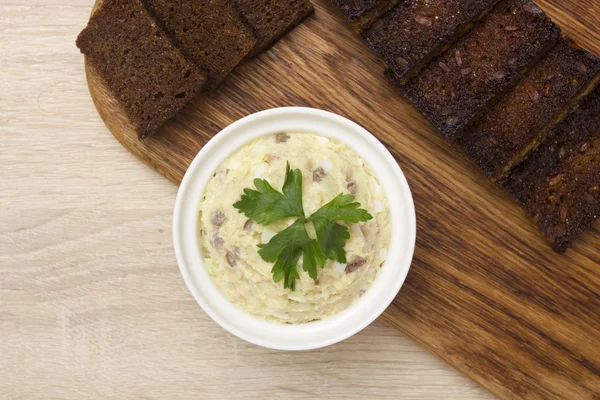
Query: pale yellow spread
(228, 240)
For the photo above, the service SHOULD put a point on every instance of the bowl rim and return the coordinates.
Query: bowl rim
(347, 322)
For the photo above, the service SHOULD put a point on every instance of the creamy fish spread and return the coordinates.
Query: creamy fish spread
(228, 239)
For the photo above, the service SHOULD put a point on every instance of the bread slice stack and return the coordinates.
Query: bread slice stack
(500, 83)
(156, 55)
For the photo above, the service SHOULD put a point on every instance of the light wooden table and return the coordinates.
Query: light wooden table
(91, 301)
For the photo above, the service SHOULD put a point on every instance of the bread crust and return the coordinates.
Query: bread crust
(361, 13)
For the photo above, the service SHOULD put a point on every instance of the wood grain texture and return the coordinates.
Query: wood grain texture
(92, 305)
(486, 292)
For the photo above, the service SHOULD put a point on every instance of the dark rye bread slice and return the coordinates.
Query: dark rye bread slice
(559, 184)
(210, 33)
(454, 89)
(271, 19)
(522, 119)
(411, 34)
(149, 77)
(361, 13)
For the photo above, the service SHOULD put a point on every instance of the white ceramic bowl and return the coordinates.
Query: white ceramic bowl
(314, 334)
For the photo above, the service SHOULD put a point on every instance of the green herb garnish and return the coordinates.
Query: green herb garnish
(332, 237)
(285, 249)
(266, 206)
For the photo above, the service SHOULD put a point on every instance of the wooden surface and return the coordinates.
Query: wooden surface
(92, 305)
(486, 292)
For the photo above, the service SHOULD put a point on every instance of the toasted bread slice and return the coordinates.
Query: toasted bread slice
(559, 184)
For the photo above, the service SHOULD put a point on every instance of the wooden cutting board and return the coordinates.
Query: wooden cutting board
(485, 292)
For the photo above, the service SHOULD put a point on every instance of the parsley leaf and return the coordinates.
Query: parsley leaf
(285, 249)
(342, 208)
(332, 239)
(266, 205)
(331, 236)
(313, 259)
